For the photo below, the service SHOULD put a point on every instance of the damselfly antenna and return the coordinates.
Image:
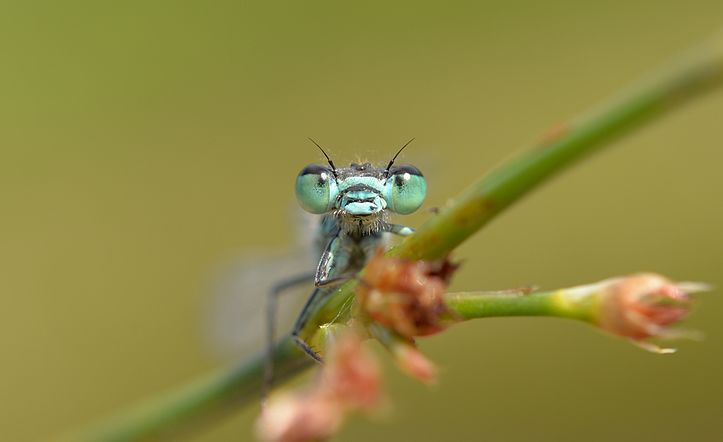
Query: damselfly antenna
(386, 171)
(331, 163)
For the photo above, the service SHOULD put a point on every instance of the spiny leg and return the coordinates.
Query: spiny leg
(311, 306)
(335, 281)
(271, 306)
(334, 258)
(306, 348)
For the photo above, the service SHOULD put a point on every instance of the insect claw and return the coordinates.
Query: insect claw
(306, 348)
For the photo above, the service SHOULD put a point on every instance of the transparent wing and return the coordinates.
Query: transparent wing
(235, 313)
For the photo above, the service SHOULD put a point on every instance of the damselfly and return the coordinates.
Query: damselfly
(354, 204)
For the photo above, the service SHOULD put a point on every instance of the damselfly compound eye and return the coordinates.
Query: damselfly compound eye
(316, 188)
(406, 189)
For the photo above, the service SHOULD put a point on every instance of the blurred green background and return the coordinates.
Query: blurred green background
(144, 145)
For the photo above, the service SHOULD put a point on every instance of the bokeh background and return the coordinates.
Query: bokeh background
(144, 146)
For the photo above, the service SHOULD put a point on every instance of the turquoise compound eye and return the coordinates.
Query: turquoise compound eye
(316, 189)
(408, 189)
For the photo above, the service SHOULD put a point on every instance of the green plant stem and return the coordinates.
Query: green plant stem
(699, 72)
(185, 409)
(213, 397)
(476, 305)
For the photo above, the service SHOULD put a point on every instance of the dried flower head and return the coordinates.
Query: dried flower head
(406, 296)
(644, 306)
(349, 381)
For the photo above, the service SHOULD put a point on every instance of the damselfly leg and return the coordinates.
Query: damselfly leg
(271, 310)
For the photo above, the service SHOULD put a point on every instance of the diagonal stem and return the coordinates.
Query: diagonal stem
(697, 73)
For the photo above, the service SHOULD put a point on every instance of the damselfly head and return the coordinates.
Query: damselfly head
(360, 190)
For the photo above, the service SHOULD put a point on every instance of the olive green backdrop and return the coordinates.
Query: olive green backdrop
(144, 145)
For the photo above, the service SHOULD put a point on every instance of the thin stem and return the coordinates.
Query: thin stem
(185, 409)
(214, 397)
(695, 74)
(475, 305)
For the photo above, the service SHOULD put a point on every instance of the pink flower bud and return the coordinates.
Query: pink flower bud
(349, 381)
(643, 306)
(299, 417)
(352, 374)
(413, 362)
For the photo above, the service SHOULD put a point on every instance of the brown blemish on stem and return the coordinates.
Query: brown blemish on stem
(554, 133)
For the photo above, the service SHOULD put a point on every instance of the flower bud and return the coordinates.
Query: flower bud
(413, 362)
(642, 306)
(349, 381)
(299, 417)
